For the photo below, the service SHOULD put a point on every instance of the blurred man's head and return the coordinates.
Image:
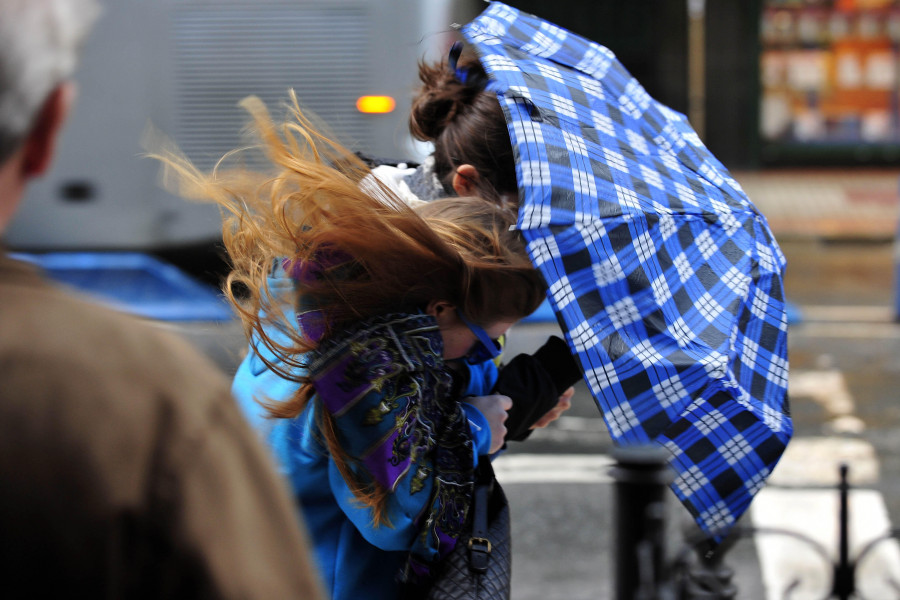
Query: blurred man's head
(39, 43)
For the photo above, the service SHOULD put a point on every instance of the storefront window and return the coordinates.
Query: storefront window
(829, 72)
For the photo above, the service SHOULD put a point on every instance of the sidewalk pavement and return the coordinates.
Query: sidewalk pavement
(826, 203)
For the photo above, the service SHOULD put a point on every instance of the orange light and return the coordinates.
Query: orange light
(375, 104)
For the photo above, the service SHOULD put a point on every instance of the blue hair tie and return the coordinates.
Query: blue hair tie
(468, 77)
(453, 59)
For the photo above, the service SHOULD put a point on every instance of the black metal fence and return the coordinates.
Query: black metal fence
(646, 569)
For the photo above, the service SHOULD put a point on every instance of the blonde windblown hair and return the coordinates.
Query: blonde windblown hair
(354, 250)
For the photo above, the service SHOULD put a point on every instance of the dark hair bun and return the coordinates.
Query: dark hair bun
(462, 118)
(440, 100)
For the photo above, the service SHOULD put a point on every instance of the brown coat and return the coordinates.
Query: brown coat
(126, 469)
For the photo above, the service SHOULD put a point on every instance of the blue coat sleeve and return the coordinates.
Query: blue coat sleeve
(482, 378)
(480, 430)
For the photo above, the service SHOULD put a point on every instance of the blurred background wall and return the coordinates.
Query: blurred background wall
(768, 83)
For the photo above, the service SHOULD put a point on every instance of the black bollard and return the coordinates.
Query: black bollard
(641, 474)
(844, 585)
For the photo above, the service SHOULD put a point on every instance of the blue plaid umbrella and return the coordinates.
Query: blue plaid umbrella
(666, 279)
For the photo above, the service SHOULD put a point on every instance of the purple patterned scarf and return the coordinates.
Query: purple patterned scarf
(385, 383)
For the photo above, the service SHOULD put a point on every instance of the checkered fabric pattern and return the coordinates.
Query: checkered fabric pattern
(664, 276)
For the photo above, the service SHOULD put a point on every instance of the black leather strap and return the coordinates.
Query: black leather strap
(480, 543)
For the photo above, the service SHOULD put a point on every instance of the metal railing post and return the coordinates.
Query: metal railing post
(845, 569)
(711, 578)
(641, 476)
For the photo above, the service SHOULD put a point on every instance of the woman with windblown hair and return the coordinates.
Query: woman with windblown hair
(362, 409)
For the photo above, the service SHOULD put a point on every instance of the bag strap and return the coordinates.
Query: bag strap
(479, 543)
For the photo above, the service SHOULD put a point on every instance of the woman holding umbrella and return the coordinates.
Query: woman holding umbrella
(665, 277)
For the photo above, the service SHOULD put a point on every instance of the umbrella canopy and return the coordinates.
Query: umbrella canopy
(665, 278)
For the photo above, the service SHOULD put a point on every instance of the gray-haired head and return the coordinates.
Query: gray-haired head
(39, 43)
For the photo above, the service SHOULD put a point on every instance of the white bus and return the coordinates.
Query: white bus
(183, 65)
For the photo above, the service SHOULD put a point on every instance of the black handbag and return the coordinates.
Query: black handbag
(480, 565)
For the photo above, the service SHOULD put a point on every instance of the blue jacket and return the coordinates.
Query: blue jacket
(356, 559)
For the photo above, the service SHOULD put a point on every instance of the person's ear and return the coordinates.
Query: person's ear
(466, 180)
(41, 141)
(440, 310)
